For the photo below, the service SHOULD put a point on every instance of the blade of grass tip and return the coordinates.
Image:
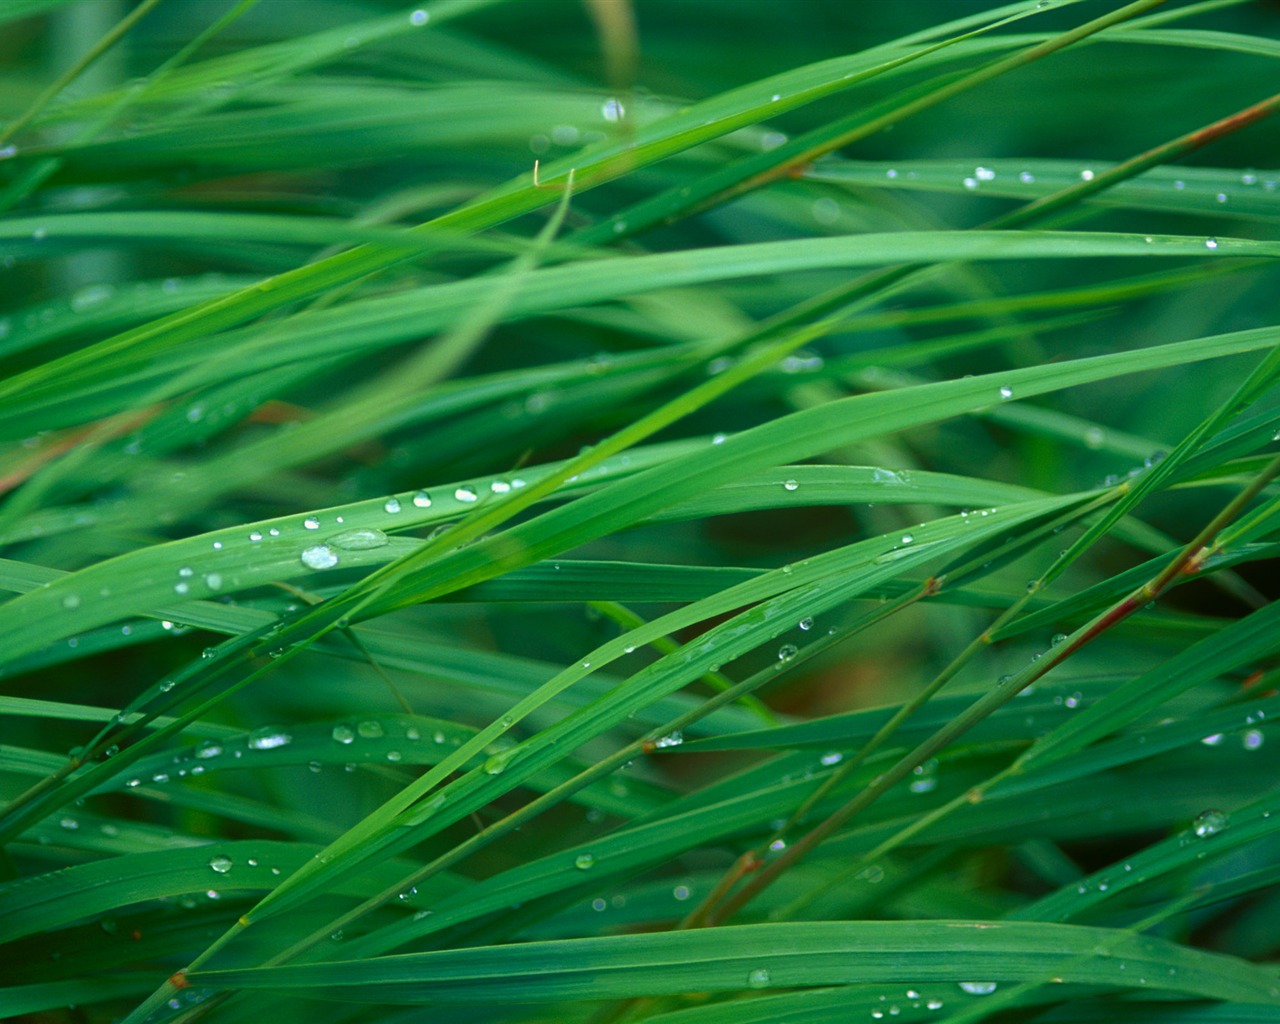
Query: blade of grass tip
(32, 179)
(76, 70)
(1187, 562)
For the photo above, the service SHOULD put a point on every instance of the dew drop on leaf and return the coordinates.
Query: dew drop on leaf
(268, 738)
(1209, 823)
(319, 556)
(978, 988)
(759, 978)
(363, 539)
(221, 863)
(584, 862)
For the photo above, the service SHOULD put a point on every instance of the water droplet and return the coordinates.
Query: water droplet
(887, 476)
(1252, 739)
(1211, 243)
(826, 210)
(978, 988)
(311, 523)
(418, 18)
(681, 892)
(1086, 175)
(362, 539)
(673, 739)
(1057, 638)
(181, 588)
(759, 978)
(268, 738)
(1027, 178)
(370, 730)
(213, 580)
(422, 500)
(1209, 823)
(612, 110)
(835, 757)
(208, 749)
(255, 536)
(1212, 740)
(806, 623)
(221, 863)
(970, 183)
(71, 602)
(343, 733)
(320, 556)
(584, 862)
(791, 485)
(1006, 393)
(934, 1004)
(787, 651)
(497, 764)
(466, 494)
(391, 506)
(394, 755)
(925, 780)
(984, 174)
(907, 538)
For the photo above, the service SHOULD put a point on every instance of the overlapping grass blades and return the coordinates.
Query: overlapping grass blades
(703, 579)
